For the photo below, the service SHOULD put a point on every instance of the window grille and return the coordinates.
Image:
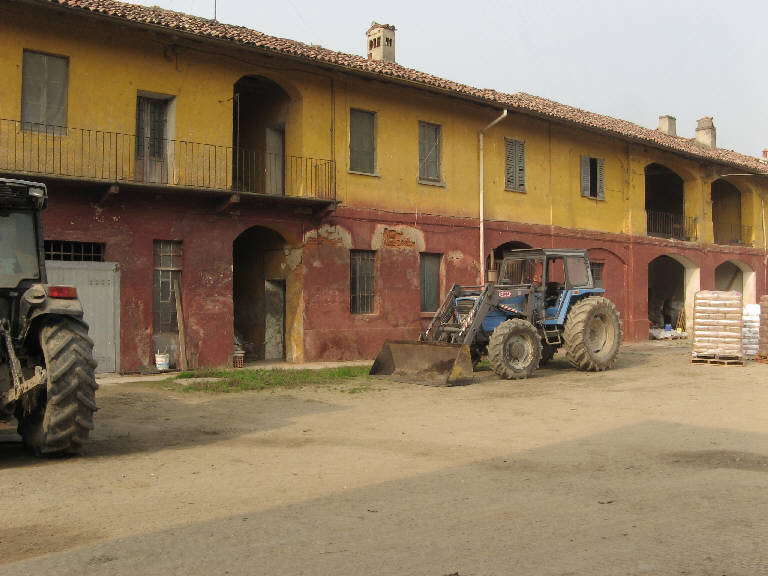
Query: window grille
(362, 281)
(597, 273)
(429, 152)
(514, 165)
(67, 251)
(167, 281)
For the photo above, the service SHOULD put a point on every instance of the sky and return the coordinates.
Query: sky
(629, 60)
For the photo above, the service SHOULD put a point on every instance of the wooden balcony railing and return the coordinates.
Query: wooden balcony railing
(117, 157)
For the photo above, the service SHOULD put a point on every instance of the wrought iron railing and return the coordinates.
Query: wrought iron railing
(732, 233)
(118, 157)
(667, 225)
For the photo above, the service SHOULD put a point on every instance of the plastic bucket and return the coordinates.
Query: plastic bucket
(161, 361)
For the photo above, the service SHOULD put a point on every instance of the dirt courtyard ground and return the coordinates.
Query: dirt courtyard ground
(656, 467)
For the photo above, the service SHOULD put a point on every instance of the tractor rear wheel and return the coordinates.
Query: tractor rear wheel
(514, 349)
(62, 417)
(592, 334)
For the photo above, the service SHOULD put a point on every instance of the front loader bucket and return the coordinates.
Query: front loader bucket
(431, 363)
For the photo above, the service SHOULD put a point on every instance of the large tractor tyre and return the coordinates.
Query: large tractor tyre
(592, 334)
(547, 353)
(59, 423)
(514, 349)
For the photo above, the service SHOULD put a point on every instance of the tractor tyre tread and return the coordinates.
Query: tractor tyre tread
(576, 335)
(496, 349)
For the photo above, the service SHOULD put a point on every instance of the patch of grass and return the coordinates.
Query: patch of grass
(243, 379)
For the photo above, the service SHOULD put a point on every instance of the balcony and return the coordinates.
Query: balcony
(115, 157)
(732, 233)
(667, 225)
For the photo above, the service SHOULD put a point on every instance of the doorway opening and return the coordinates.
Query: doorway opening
(259, 293)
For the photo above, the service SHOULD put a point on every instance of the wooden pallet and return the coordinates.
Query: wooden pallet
(718, 360)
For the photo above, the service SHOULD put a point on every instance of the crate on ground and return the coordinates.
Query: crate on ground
(717, 328)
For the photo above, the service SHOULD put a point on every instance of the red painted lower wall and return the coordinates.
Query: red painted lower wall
(129, 223)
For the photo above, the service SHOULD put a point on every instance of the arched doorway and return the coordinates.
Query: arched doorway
(260, 114)
(726, 214)
(673, 280)
(665, 203)
(259, 293)
(736, 275)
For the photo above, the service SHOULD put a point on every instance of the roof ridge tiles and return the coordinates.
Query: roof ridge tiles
(520, 101)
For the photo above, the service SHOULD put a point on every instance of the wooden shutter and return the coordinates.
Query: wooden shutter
(514, 168)
(33, 89)
(600, 178)
(520, 154)
(429, 273)
(361, 141)
(429, 151)
(56, 91)
(585, 176)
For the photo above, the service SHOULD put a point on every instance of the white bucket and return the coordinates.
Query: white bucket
(161, 361)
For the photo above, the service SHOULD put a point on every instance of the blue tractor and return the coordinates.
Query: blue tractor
(544, 299)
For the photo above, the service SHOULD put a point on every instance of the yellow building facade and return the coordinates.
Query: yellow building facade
(185, 130)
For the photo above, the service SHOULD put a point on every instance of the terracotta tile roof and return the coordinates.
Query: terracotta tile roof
(519, 102)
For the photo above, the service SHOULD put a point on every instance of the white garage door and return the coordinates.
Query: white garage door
(98, 286)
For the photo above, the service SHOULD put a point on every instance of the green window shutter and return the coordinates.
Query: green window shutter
(361, 141)
(429, 151)
(600, 178)
(429, 274)
(585, 176)
(514, 165)
(33, 88)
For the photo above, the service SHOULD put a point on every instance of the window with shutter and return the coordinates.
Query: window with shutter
(514, 167)
(362, 143)
(429, 152)
(44, 80)
(593, 177)
(429, 274)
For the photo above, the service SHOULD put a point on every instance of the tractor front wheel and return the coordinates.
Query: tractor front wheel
(514, 349)
(61, 418)
(592, 334)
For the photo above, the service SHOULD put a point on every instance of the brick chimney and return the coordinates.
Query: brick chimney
(381, 42)
(668, 125)
(705, 133)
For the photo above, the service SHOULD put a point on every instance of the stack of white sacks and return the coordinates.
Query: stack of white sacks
(763, 348)
(717, 324)
(750, 330)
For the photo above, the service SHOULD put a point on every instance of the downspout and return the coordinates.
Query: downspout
(482, 194)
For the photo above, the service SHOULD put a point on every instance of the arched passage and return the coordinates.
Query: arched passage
(726, 214)
(673, 281)
(259, 293)
(736, 275)
(665, 203)
(260, 114)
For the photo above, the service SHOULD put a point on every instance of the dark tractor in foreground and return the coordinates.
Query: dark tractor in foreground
(46, 357)
(544, 300)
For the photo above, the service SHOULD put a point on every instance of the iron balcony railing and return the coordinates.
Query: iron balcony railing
(667, 225)
(118, 157)
(732, 233)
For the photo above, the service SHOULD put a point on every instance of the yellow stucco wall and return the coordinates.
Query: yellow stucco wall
(109, 65)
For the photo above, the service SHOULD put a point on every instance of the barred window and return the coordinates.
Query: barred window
(362, 281)
(68, 251)
(597, 273)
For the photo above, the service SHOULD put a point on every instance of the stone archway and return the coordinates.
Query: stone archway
(673, 281)
(736, 275)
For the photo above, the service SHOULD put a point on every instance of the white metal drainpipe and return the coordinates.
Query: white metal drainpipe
(482, 195)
